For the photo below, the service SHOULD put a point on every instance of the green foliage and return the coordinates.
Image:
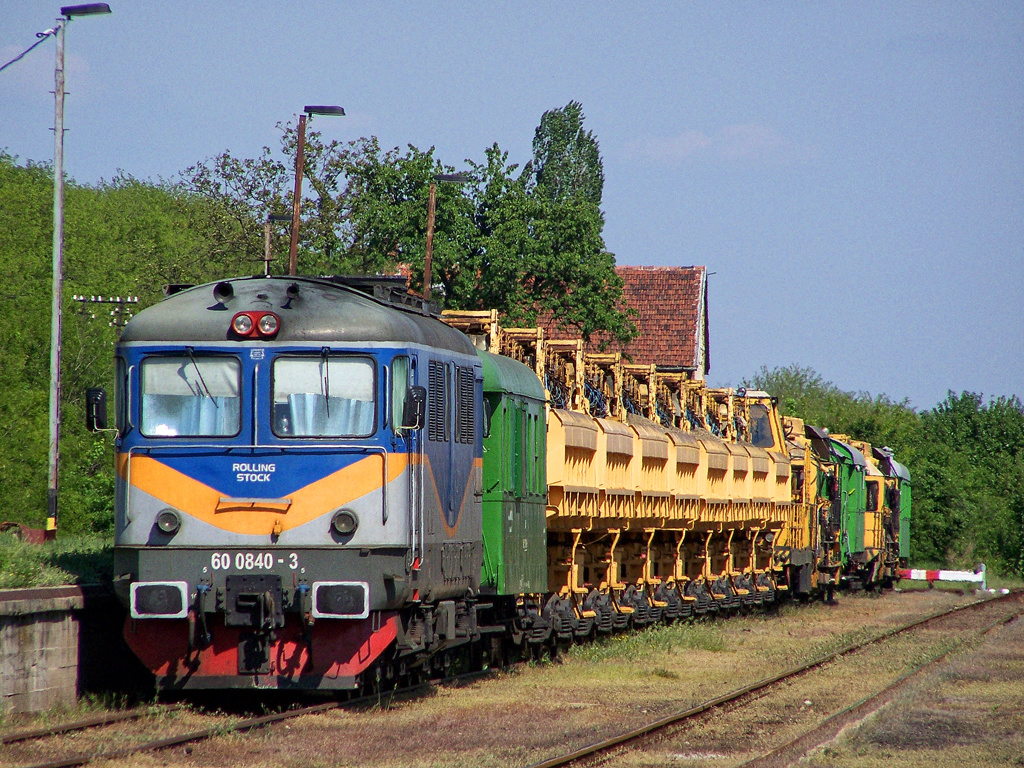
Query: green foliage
(526, 243)
(123, 237)
(566, 159)
(231, 199)
(384, 206)
(971, 462)
(542, 255)
(965, 456)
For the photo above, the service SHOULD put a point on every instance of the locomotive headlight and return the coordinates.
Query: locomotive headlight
(344, 522)
(242, 325)
(168, 521)
(269, 324)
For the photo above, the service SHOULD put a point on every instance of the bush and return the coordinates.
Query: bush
(68, 560)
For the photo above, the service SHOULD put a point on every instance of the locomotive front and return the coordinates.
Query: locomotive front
(276, 493)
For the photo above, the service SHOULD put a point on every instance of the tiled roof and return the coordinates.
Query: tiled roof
(670, 303)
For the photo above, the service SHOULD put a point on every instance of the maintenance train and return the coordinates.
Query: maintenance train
(322, 484)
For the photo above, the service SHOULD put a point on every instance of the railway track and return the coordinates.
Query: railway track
(222, 727)
(603, 750)
(599, 751)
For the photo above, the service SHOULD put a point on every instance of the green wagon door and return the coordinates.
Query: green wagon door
(905, 518)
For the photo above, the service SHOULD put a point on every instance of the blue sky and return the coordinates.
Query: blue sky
(853, 173)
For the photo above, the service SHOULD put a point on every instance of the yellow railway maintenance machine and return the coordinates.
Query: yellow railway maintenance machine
(665, 498)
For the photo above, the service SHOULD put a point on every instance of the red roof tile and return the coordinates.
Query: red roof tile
(670, 303)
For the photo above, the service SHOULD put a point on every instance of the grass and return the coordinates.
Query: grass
(640, 645)
(68, 560)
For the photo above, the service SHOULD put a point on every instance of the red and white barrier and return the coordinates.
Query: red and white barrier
(976, 576)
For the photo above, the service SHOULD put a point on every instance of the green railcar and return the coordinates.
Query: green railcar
(514, 479)
(851, 500)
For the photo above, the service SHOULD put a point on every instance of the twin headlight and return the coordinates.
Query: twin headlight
(256, 324)
(344, 522)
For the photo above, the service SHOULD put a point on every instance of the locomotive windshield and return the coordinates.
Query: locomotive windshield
(323, 396)
(190, 396)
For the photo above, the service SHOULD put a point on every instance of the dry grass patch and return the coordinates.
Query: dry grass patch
(968, 712)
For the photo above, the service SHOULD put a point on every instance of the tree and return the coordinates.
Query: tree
(232, 197)
(540, 255)
(383, 204)
(566, 159)
(526, 243)
(972, 459)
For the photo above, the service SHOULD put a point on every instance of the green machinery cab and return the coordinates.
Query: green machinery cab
(898, 496)
(851, 501)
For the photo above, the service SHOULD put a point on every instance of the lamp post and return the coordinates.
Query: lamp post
(451, 178)
(68, 12)
(293, 250)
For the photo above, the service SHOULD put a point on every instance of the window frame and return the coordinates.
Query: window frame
(196, 355)
(317, 355)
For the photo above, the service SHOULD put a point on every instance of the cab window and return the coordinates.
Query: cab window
(323, 396)
(760, 427)
(872, 501)
(190, 396)
(399, 388)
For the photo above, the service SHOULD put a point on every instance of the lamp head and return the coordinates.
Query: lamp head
(454, 178)
(324, 110)
(90, 9)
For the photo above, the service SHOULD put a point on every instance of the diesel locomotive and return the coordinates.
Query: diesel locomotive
(322, 485)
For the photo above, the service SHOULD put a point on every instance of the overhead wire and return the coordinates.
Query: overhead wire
(42, 36)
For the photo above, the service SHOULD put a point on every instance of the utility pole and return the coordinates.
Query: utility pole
(300, 159)
(67, 13)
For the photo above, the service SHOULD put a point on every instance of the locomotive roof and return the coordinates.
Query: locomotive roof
(890, 466)
(310, 309)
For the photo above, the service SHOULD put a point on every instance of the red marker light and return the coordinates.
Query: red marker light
(256, 324)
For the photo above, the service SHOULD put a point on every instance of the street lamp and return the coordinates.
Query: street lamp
(68, 12)
(452, 178)
(293, 250)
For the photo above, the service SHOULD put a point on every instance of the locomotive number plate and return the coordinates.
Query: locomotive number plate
(253, 561)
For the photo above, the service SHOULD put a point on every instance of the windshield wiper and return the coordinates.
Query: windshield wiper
(206, 389)
(326, 388)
